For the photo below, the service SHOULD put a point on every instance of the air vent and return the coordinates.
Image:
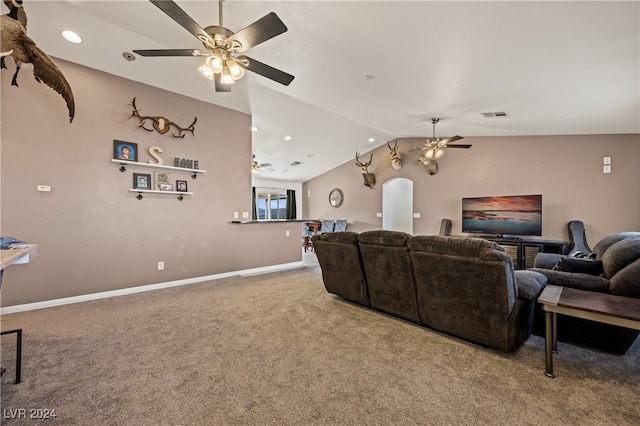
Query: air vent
(499, 114)
(295, 163)
(266, 165)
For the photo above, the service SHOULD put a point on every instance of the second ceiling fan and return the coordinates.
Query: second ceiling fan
(434, 147)
(222, 47)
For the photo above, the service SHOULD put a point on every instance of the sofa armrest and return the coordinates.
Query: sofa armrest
(547, 260)
(575, 280)
(530, 284)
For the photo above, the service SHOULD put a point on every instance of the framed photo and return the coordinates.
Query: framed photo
(141, 181)
(181, 185)
(125, 150)
(162, 179)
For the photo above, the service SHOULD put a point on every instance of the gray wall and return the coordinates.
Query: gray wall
(566, 170)
(93, 234)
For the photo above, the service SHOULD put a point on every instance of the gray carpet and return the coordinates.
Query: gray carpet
(277, 349)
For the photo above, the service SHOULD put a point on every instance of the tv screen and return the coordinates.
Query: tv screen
(507, 215)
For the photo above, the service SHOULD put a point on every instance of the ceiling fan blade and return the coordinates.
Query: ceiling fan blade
(180, 16)
(260, 31)
(266, 70)
(166, 52)
(221, 87)
(451, 139)
(459, 146)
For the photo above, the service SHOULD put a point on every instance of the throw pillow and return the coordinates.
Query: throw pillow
(581, 266)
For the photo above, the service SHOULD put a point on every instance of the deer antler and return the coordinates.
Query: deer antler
(160, 124)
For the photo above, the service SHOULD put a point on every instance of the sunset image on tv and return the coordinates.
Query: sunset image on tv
(511, 215)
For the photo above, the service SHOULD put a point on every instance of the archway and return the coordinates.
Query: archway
(397, 205)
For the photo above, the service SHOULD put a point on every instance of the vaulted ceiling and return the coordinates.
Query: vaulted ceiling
(555, 68)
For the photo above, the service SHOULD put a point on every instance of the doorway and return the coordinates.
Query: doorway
(397, 205)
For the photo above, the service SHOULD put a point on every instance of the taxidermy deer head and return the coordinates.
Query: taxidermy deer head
(430, 165)
(369, 178)
(396, 157)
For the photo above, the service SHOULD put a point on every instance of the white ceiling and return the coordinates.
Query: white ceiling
(557, 68)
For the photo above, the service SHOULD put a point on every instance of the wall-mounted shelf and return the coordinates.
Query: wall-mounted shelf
(153, 191)
(124, 163)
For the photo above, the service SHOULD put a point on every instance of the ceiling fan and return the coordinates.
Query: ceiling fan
(255, 166)
(434, 147)
(222, 47)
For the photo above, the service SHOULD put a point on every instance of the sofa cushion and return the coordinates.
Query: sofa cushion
(346, 237)
(530, 284)
(457, 246)
(603, 245)
(385, 238)
(575, 280)
(583, 266)
(627, 281)
(619, 255)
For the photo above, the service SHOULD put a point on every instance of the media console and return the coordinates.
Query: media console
(524, 250)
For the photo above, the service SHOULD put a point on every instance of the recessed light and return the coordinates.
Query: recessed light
(287, 138)
(71, 37)
(372, 140)
(254, 129)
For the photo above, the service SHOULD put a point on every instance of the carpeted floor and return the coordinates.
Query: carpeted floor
(277, 349)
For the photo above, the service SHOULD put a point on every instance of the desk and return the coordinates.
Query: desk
(601, 307)
(15, 255)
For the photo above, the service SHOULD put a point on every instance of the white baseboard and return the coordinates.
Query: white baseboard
(150, 287)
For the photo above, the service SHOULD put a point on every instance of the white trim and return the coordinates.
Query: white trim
(150, 287)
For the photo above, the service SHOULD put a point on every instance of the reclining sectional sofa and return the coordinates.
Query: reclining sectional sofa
(466, 287)
(614, 270)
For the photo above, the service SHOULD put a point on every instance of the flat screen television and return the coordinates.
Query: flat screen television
(512, 215)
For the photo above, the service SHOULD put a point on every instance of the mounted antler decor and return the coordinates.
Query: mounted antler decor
(160, 124)
(396, 157)
(369, 178)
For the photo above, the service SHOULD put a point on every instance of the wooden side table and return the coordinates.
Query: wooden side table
(600, 307)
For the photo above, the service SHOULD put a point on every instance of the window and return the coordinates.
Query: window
(271, 205)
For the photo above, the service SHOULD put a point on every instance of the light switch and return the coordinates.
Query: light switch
(606, 160)
(245, 215)
(606, 169)
(416, 215)
(44, 188)
(378, 214)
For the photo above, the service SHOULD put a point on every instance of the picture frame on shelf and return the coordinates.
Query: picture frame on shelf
(163, 178)
(123, 150)
(165, 187)
(181, 186)
(141, 181)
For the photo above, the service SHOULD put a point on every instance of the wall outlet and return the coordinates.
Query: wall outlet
(606, 160)
(286, 233)
(606, 169)
(160, 266)
(416, 215)
(245, 215)
(235, 215)
(378, 214)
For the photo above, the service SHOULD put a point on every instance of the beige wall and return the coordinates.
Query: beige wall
(566, 170)
(93, 234)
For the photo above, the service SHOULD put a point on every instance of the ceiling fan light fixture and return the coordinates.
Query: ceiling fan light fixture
(206, 71)
(216, 61)
(226, 77)
(237, 72)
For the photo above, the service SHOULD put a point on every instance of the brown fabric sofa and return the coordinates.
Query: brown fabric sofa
(615, 270)
(466, 287)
